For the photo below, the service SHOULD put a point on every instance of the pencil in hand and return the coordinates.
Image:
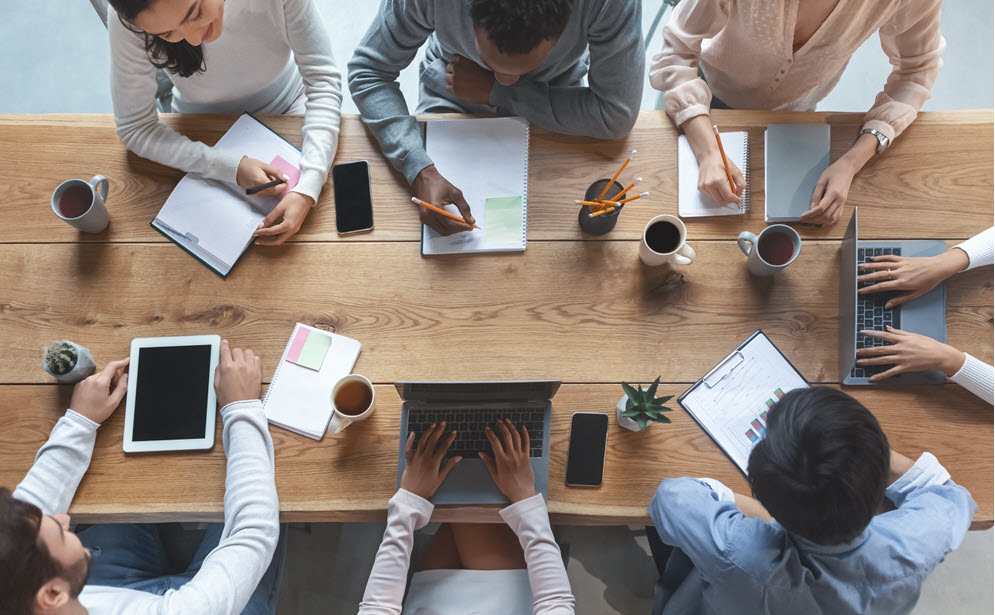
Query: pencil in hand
(439, 210)
(725, 161)
(261, 187)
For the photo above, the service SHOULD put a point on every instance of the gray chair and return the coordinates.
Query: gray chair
(164, 93)
(667, 4)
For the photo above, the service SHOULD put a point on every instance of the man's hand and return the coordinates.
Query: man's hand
(425, 470)
(98, 396)
(239, 375)
(469, 81)
(916, 274)
(291, 212)
(830, 193)
(510, 467)
(252, 172)
(909, 352)
(431, 187)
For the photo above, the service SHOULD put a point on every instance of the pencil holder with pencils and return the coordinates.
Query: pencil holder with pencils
(598, 222)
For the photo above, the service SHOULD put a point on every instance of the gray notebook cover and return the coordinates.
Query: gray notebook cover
(795, 155)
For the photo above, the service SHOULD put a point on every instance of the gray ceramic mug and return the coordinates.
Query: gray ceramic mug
(786, 252)
(88, 203)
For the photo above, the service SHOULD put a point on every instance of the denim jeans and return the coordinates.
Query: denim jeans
(150, 557)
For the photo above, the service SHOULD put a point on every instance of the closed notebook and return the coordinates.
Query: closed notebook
(299, 397)
(795, 155)
(488, 159)
(214, 220)
(692, 202)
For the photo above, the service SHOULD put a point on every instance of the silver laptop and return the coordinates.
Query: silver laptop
(925, 315)
(468, 407)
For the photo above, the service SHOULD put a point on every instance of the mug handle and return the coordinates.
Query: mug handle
(744, 238)
(338, 423)
(685, 255)
(100, 185)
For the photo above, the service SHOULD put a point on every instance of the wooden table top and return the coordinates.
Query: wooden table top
(570, 308)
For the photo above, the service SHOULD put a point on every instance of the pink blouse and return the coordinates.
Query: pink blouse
(744, 48)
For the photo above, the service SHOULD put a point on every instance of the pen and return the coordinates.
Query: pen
(261, 187)
(439, 210)
(725, 160)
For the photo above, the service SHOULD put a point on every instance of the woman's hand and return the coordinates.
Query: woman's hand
(290, 213)
(252, 172)
(909, 352)
(510, 467)
(713, 181)
(916, 274)
(425, 470)
(830, 193)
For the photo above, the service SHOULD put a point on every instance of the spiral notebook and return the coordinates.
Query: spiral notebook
(693, 203)
(299, 397)
(488, 159)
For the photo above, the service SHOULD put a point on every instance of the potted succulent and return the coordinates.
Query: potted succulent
(68, 362)
(640, 407)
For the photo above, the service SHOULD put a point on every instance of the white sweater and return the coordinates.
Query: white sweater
(975, 375)
(257, 65)
(231, 572)
(407, 512)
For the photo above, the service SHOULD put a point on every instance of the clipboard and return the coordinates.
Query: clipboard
(754, 376)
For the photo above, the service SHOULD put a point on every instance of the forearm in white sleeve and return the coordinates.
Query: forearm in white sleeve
(548, 577)
(980, 249)
(323, 87)
(406, 513)
(977, 377)
(59, 465)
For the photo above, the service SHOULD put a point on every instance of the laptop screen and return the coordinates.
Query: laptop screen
(848, 299)
(511, 391)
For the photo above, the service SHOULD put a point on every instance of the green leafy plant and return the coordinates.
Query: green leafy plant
(60, 358)
(644, 406)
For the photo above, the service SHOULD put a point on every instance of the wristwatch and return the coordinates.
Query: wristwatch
(883, 140)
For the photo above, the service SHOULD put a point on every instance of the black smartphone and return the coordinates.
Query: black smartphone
(586, 455)
(353, 200)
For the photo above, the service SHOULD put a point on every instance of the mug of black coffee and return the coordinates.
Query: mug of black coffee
(665, 241)
(82, 204)
(776, 247)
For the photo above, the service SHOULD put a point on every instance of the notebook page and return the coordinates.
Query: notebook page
(695, 203)
(731, 403)
(486, 159)
(250, 137)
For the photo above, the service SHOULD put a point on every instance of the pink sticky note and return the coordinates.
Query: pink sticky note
(290, 171)
(297, 345)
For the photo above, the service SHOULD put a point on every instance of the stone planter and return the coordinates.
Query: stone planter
(83, 368)
(624, 421)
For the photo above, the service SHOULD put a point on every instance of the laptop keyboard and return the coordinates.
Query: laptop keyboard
(871, 313)
(469, 425)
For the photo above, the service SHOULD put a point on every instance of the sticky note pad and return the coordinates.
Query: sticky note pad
(308, 348)
(503, 221)
(290, 171)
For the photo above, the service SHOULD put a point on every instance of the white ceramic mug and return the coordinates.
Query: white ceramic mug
(680, 255)
(750, 245)
(95, 218)
(341, 420)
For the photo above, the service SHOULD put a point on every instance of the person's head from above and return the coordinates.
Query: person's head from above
(173, 29)
(822, 469)
(515, 36)
(43, 566)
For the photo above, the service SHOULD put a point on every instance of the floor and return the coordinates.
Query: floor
(62, 68)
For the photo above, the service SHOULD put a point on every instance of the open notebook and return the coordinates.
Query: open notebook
(692, 202)
(731, 401)
(488, 159)
(213, 220)
(299, 397)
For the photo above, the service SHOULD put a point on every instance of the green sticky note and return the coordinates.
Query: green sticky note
(314, 350)
(503, 221)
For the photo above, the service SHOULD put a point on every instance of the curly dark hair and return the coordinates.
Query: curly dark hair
(518, 26)
(180, 58)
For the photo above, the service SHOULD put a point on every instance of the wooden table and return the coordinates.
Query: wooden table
(571, 307)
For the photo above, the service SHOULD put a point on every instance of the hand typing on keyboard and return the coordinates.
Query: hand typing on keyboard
(916, 275)
(425, 469)
(509, 466)
(908, 352)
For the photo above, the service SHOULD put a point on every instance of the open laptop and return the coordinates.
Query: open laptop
(468, 407)
(925, 315)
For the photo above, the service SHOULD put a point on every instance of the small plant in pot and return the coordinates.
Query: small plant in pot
(68, 362)
(640, 407)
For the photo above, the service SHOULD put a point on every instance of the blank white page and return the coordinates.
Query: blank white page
(485, 158)
(692, 202)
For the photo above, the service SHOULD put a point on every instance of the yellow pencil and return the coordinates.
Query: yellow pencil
(614, 177)
(594, 203)
(631, 186)
(725, 161)
(633, 198)
(439, 210)
(602, 211)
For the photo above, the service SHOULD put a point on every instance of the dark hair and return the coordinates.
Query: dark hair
(25, 563)
(179, 58)
(518, 26)
(822, 468)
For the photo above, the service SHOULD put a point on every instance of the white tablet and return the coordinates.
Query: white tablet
(171, 401)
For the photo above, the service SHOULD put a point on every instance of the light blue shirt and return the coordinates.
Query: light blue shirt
(729, 563)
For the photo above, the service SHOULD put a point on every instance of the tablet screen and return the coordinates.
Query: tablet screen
(172, 392)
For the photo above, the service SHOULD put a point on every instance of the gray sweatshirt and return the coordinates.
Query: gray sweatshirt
(603, 40)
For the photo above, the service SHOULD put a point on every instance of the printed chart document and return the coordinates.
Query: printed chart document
(488, 159)
(731, 401)
(691, 202)
(213, 220)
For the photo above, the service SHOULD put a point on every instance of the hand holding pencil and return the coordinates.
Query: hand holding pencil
(433, 189)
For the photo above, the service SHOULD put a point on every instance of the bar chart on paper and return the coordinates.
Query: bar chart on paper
(731, 403)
